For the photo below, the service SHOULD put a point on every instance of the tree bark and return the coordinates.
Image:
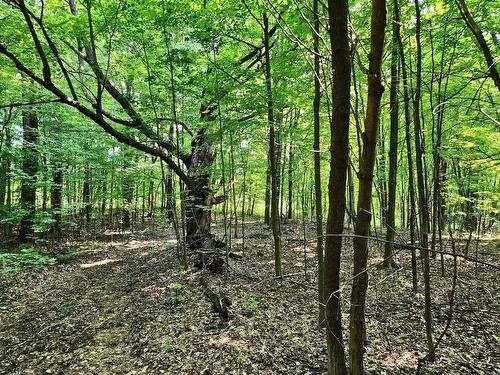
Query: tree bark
(198, 198)
(56, 198)
(127, 192)
(366, 167)
(412, 222)
(424, 208)
(339, 150)
(478, 34)
(86, 195)
(393, 146)
(5, 167)
(317, 167)
(272, 153)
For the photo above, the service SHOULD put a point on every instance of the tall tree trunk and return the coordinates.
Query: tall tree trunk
(317, 167)
(104, 191)
(393, 147)
(5, 165)
(127, 191)
(86, 195)
(28, 181)
(272, 153)
(5, 181)
(380, 165)
(339, 152)
(56, 198)
(366, 167)
(289, 211)
(424, 209)
(267, 203)
(233, 183)
(198, 197)
(412, 221)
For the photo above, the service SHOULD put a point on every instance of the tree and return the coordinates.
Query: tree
(478, 34)
(339, 156)
(197, 162)
(275, 216)
(422, 196)
(393, 146)
(317, 166)
(29, 169)
(365, 174)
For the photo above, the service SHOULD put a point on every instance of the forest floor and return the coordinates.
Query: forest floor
(124, 305)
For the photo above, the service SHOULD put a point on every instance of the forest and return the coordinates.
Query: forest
(249, 187)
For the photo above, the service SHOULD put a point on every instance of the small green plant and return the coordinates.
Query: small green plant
(251, 306)
(178, 294)
(242, 358)
(167, 346)
(24, 258)
(43, 221)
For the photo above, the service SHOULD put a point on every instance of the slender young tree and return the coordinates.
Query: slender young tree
(366, 167)
(272, 152)
(412, 222)
(422, 196)
(56, 198)
(339, 153)
(317, 165)
(393, 146)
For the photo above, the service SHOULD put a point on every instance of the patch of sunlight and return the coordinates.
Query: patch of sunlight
(141, 244)
(310, 252)
(154, 290)
(99, 263)
(406, 359)
(225, 340)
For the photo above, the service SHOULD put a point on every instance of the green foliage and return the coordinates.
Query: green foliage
(178, 294)
(167, 346)
(26, 257)
(250, 306)
(30, 257)
(195, 48)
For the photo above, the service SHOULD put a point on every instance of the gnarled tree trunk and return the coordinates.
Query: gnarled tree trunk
(199, 197)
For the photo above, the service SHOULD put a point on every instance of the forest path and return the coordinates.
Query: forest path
(127, 307)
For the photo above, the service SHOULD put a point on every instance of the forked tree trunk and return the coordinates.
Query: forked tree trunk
(366, 167)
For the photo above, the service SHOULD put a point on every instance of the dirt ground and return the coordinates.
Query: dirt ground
(124, 305)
